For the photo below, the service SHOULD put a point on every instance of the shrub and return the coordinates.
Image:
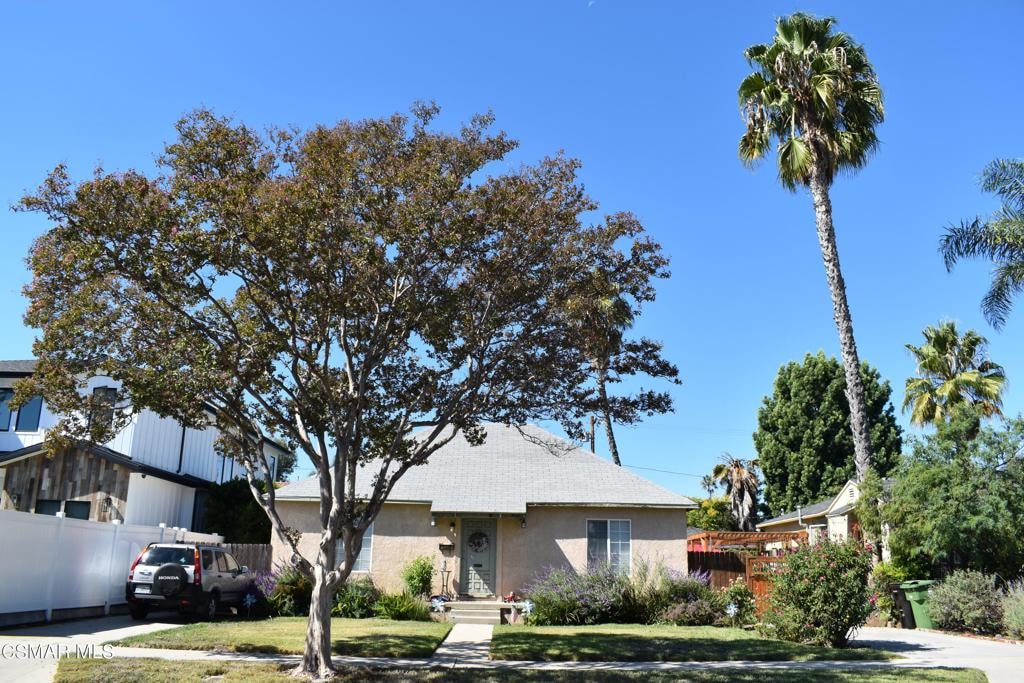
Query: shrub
(1013, 610)
(819, 593)
(967, 601)
(418, 575)
(699, 612)
(356, 599)
(739, 602)
(291, 594)
(882, 577)
(562, 596)
(401, 607)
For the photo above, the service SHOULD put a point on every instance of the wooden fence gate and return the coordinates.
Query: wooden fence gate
(724, 567)
(759, 571)
(255, 556)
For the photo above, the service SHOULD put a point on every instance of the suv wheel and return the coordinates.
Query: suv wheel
(138, 612)
(212, 605)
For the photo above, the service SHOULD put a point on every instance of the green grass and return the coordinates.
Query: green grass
(164, 671)
(286, 635)
(640, 643)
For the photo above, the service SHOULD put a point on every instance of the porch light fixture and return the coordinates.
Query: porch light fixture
(522, 522)
(433, 521)
(451, 526)
(106, 504)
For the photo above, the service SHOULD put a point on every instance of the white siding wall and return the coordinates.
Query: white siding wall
(199, 457)
(152, 500)
(156, 441)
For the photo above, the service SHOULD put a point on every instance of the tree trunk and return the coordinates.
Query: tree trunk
(844, 323)
(602, 391)
(316, 656)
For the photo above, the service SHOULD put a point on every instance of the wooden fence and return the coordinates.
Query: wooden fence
(723, 567)
(255, 556)
(759, 571)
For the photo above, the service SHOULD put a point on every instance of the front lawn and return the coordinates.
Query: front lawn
(286, 635)
(640, 643)
(164, 671)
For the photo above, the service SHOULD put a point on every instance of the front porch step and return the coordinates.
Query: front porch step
(476, 611)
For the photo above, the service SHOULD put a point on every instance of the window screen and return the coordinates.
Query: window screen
(362, 563)
(608, 541)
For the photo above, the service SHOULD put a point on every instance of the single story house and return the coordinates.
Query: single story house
(834, 518)
(494, 516)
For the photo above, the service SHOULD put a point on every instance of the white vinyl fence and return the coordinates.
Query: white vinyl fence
(53, 566)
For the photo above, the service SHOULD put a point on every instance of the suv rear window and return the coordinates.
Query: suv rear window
(182, 556)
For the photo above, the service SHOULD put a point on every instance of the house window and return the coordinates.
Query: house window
(5, 411)
(47, 507)
(362, 563)
(76, 509)
(103, 400)
(28, 415)
(609, 541)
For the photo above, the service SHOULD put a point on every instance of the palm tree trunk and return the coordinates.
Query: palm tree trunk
(844, 323)
(602, 392)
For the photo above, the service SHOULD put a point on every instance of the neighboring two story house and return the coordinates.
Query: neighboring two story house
(154, 470)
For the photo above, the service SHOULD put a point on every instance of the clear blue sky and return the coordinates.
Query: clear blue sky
(642, 93)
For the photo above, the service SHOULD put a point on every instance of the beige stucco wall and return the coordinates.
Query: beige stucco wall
(553, 536)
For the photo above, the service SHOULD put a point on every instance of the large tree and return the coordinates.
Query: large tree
(814, 92)
(739, 477)
(366, 291)
(613, 293)
(958, 502)
(954, 374)
(803, 439)
(1000, 239)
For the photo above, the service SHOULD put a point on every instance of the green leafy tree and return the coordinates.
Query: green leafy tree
(1000, 239)
(739, 477)
(341, 287)
(709, 484)
(613, 293)
(954, 374)
(232, 512)
(814, 92)
(956, 501)
(803, 439)
(713, 513)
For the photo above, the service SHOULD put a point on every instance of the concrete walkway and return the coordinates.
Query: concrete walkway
(465, 644)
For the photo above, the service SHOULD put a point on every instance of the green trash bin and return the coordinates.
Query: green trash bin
(917, 594)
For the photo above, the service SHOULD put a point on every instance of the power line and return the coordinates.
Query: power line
(652, 469)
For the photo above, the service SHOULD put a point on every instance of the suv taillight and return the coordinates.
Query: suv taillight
(197, 572)
(131, 572)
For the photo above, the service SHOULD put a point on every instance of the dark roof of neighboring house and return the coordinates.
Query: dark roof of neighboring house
(115, 457)
(813, 510)
(17, 368)
(514, 468)
(842, 510)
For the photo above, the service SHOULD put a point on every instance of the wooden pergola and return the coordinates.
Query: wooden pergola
(719, 541)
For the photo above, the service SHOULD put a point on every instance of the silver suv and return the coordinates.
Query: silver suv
(187, 577)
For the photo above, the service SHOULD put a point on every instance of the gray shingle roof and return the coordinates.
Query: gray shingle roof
(509, 472)
(812, 510)
(18, 367)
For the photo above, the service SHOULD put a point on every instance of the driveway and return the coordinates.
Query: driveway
(29, 655)
(1002, 662)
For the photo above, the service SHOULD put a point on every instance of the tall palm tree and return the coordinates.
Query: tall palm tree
(1000, 239)
(741, 485)
(814, 93)
(708, 482)
(954, 374)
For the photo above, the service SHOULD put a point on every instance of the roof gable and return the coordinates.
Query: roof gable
(514, 468)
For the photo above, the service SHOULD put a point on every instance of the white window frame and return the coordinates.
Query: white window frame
(339, 549)
(608, 539)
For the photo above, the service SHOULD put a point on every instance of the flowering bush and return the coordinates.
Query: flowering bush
(819, 593)
(288, 593)
(739, 602)
(563, 596)
(967, 601)
(699, 612)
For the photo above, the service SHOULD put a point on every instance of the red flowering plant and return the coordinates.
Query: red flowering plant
(819, 594)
